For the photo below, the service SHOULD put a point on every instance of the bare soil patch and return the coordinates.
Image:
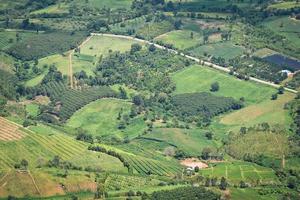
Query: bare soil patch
(194, 162)
(9, 131)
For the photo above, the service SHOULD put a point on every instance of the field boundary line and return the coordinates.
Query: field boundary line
(7, 173)
(242, 172)
(206, 63)
(34, 183)
(257, 172)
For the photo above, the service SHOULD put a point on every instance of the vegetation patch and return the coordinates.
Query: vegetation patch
(45, 44)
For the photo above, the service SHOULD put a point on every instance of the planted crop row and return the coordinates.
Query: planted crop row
(148, 166)
(72, 100)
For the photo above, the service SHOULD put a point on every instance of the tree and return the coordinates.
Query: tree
(274, 96)
(177, 24)
(135, 47)
(243, 184)
(196, 169)
(206, 152)
(123, 93)
(152, 48)
(243, 130)
(192, 35)
(209, 135)
(138, 100)
(205, 38)
(223, 184)
(214, 87)
(24, 164)
(280, 90)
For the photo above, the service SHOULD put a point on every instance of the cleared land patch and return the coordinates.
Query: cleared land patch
(101, 45)
(181, 39)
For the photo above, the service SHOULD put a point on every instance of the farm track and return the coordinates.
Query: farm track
(209, 64)
(71, 64)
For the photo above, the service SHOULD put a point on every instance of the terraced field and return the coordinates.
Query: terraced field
(147, 166)
(238, 171)
(42, 143)
(9, 131)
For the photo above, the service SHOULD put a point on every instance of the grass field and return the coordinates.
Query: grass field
(113, 4)
(154, 29)
(58, 60)
(250, 194)
(180, 39)
(285, 5)
(199, 79)
(9, 38)
(100, 118)
(60, 8)
(190, 141)
(285, 26)
(83, 62)
(236, 171)
(32, 109)
(100, 45)
(226, 50)
(268, 111)
(272, 145)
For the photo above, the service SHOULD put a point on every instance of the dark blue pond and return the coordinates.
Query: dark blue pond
(285, 62)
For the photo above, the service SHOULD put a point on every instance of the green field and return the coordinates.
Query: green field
(181, 39)
(285, 5)
(32, 109)
(250, 194)
(285, 26)
(226, 50)
(113, 4)
(83, 62)
(60, 8)
(269, 111)
(9, 38)
(154, 29)
(100, 119)
(190, 141)
(199, 79)
(237, 171)
(100, 45)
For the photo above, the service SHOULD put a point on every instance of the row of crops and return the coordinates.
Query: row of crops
(118, 181)
(38, 148)
(147, 166)
(72, 100)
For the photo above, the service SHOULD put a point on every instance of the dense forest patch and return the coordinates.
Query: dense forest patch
(191, 105)
(185, 193)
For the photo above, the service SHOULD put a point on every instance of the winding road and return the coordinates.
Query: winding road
(209, 64)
